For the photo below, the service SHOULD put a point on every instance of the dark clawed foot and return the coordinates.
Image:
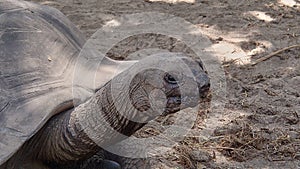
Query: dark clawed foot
(108, 164)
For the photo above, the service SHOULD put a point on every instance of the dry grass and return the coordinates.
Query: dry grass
(240, 142)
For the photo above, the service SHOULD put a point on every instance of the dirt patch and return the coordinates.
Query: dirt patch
(259, 126)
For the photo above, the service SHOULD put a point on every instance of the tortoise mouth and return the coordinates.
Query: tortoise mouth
(173, 105)
(177, 103)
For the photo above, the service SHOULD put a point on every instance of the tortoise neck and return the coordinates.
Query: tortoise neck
(94, 125)
(102, 121)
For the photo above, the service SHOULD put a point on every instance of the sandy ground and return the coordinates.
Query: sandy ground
(259, 126)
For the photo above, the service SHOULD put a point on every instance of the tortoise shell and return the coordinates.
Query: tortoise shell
(39, 47)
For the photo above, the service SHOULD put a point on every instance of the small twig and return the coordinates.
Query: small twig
(273, 54)
(217, 147)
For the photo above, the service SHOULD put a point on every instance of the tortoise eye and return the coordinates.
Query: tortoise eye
(170, 79)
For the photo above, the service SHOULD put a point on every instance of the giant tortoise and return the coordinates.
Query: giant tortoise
(40, 125)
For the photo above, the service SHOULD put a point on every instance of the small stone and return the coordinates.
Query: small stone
(200, 156)
(219, 39)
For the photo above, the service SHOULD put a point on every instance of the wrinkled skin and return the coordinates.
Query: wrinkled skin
(69, 139)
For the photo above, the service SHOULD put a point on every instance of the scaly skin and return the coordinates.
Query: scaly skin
(66, 140)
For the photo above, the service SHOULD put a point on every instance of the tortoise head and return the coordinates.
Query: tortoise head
(169, 87)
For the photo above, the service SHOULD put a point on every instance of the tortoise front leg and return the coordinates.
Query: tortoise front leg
(100, 164)
(92, 163)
